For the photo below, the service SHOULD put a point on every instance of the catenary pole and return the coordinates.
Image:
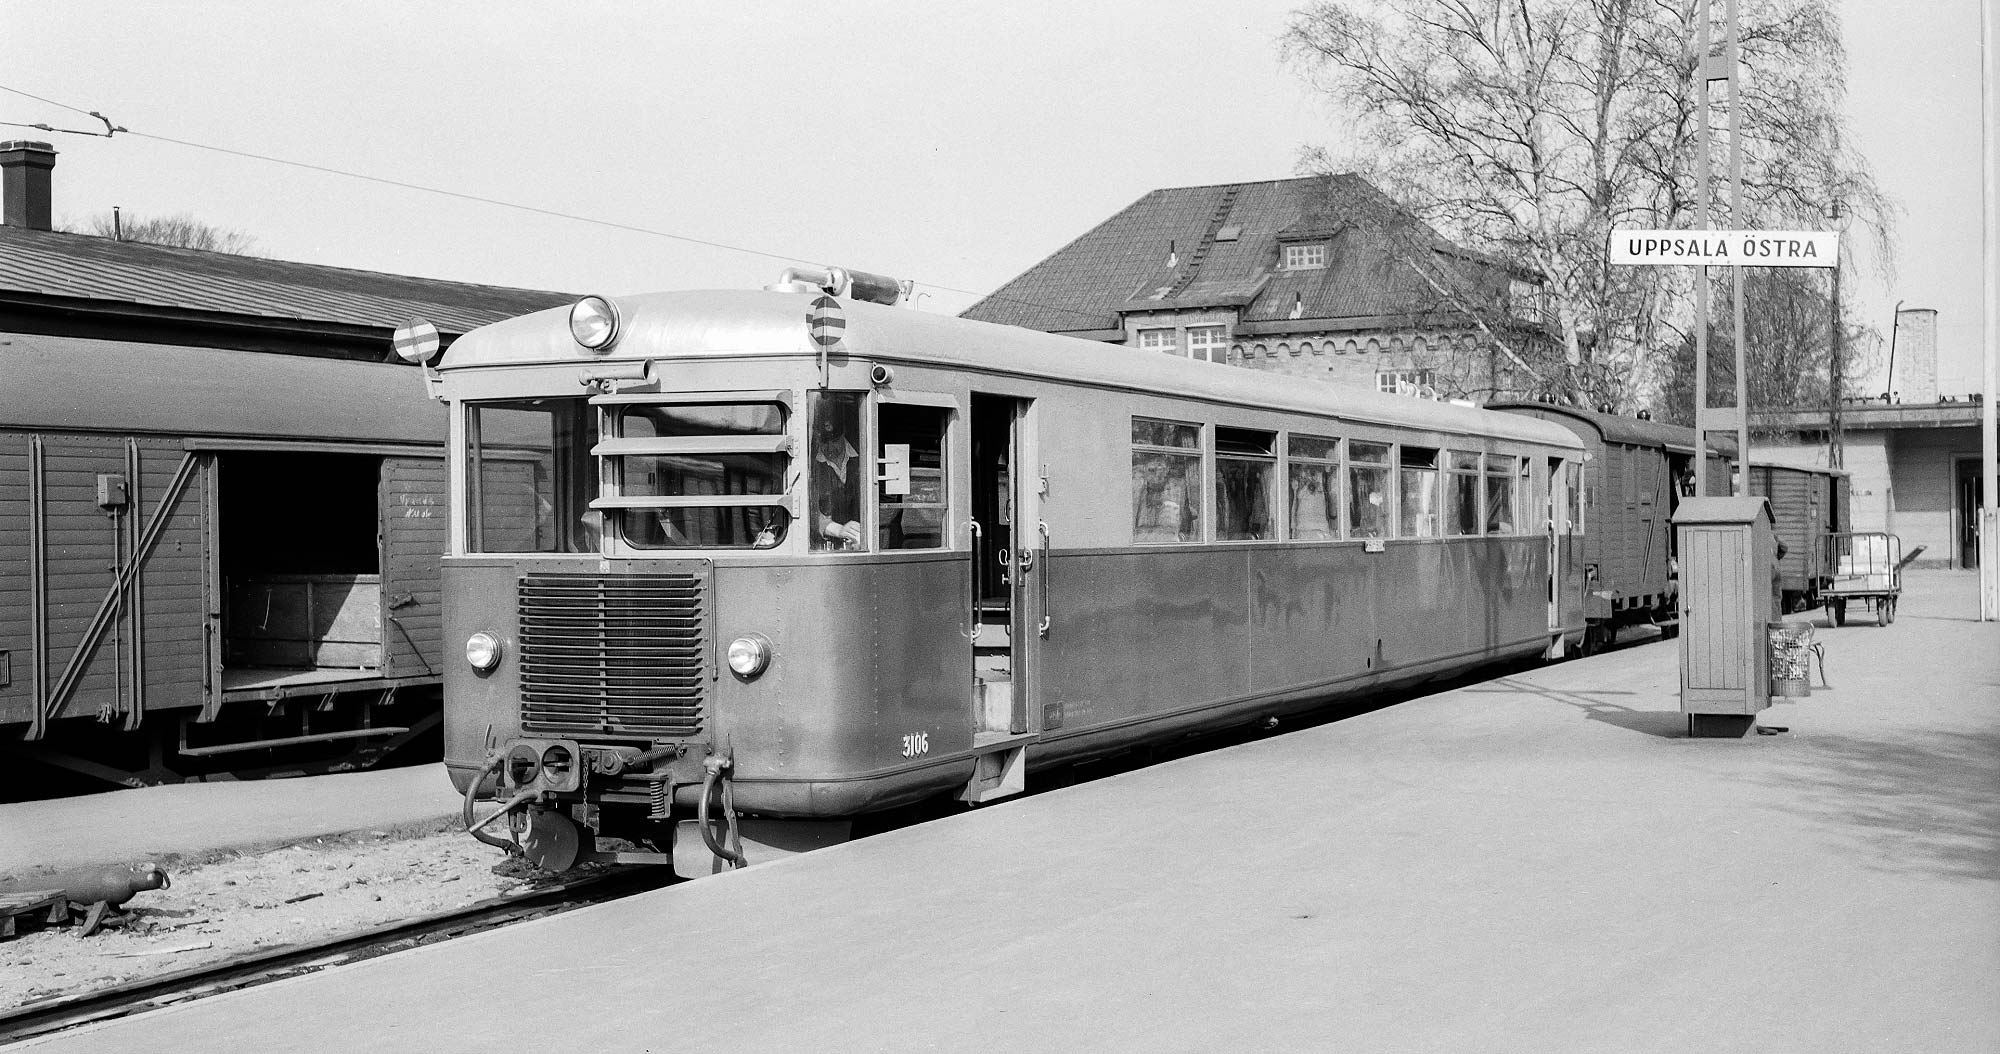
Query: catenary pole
(1989, 437)
(1731, 55)
(1701, 272)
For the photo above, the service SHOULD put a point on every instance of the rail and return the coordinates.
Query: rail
(54, 1015)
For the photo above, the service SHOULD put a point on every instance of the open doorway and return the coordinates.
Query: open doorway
(1968, 497)
(300, 560)
(997, 564)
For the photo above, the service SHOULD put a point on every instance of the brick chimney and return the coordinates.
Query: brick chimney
(24, 183)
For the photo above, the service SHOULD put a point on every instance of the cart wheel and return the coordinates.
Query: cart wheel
(1883, 614)
(1839, 611)
(1889, 609)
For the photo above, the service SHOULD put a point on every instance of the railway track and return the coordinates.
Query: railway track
(55, 1015)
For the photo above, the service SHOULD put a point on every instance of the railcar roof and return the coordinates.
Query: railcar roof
(76, 383)
(1617, 428)
(728, 323)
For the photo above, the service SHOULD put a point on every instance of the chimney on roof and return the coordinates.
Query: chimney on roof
(24, 183)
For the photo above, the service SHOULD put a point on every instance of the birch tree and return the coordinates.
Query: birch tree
(1529, 129)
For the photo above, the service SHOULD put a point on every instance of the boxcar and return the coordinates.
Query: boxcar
(207, 555)
(1635, 473)
(791, 556)
(1810, 505)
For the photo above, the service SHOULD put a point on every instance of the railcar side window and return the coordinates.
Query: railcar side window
(529, 478)
(834, 496)
(1166, 481)
(1246, 465)
(1500, 493)
(1461, 493)
(912, 494)
(1419, 510)
(1315, 487)
(1371, 492)
(1573, 486)
(699, 476)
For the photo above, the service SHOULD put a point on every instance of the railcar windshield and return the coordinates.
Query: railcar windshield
(529, 481)
(555, 475)
(697, 477)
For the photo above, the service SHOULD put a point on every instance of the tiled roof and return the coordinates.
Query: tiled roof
(1162, 249)
(90, 267)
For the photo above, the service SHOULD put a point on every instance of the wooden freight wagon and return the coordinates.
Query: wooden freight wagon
(1809, 504)
(211, 558)
(1635, 473)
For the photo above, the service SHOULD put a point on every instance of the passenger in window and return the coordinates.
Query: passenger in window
(836, 483)
(1313, 516)
(1160, 510)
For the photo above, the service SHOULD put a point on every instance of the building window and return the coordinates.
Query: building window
(1304, 257)
(1159, 340)
(1207, 342)
(1404, 382)
(1524, 300)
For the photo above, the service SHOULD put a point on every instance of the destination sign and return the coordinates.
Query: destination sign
(1727, 248)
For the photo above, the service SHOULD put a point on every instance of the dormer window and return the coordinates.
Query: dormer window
(1524, 300)
(1305, 257)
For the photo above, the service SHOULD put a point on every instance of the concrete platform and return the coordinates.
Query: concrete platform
(197, 819)
(1539, 863)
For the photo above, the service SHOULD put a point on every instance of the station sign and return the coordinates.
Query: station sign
(1727, 248)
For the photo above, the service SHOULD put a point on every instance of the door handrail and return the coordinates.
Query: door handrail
(1042, 581)
(972, 526)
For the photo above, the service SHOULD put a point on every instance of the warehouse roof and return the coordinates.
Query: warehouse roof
(36, 264)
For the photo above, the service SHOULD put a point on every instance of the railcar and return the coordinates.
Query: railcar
(214, 560)
(736, 567)
(1635, 473)
(1809, 506)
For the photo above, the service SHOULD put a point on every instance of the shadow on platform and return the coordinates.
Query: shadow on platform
(1666, 724)
(1922, 800)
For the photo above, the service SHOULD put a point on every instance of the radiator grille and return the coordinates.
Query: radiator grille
(614, 655)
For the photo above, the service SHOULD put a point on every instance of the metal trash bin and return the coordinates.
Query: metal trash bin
(1791, 659)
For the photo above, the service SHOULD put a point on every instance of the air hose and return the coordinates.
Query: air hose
(478, 829)
(733, 851)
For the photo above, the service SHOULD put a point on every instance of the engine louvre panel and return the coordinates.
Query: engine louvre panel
(615, 654)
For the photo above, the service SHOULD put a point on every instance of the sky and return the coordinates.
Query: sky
(955, 145)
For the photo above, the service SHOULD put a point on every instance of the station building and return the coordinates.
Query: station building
(1320, 277)
(1913, 468)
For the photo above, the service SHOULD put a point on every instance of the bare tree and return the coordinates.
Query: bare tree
(1529, 129)
(179, 231)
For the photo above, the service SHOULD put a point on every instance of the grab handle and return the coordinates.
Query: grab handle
(973, 634)
(1043, 580)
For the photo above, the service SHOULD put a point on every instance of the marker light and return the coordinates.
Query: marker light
(749, 655)
(558, 764)
(523, 765)
(482, 650)
(593, 321)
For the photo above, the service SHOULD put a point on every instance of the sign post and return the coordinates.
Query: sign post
(1737, 249)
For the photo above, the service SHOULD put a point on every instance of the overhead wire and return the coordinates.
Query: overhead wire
(477, 198)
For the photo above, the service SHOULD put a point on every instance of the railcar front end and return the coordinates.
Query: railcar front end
(666, 597)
